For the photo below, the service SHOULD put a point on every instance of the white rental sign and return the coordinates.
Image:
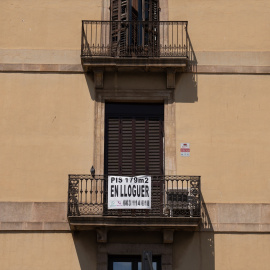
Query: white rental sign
(129, 192)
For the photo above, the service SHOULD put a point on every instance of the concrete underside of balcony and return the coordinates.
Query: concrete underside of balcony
(135, 63)
(129, 222)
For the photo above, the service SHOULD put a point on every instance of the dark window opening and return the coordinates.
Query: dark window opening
(134, 10)
(135, 29)
(121, 262)
(134, 139)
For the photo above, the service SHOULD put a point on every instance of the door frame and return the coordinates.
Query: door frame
(165, 96)
(134, 259)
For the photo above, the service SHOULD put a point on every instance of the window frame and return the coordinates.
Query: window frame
(136, 95)
(134, 259)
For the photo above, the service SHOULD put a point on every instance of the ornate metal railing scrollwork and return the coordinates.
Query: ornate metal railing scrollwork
(171, 196)
(168, 39)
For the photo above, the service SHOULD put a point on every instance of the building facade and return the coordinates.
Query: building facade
(175, 91)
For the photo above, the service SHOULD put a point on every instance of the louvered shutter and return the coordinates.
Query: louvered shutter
(134, 146)
(154, 27)
(133, 143)
(119, 31)
(126, 39)
(154, 10)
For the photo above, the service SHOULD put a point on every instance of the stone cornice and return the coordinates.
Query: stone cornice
(77, 68)
(216, 217)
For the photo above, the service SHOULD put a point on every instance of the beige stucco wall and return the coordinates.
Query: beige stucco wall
(47, 131)
(208, 251)
(24, 251)
(242, 251)
(225, 25)
(36, 31)
(47, 119)
(191, 250)
(39, 24)
(225, 119)
(56, 24)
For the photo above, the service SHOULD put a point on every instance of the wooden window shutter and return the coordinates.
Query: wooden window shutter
(154, 10)
(119, 12)
(154, 27)
(125, 38)
(134, 140)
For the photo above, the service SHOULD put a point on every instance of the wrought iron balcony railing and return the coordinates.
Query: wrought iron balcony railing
(171, 196)
(163, 39)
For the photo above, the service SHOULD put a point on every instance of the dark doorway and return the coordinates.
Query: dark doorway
(134, 28)
(134, 139)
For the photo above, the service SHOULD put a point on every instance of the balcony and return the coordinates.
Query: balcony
(175, 203)
(136, 44)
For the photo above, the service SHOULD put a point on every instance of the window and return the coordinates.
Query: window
(117, 262)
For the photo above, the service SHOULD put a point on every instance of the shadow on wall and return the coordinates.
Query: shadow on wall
(186, 88)
(195, 250)
(186, 84)
(89, 78)
(86, 248)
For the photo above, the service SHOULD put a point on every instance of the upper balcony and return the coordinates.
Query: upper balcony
(136, 44)
(173, 202)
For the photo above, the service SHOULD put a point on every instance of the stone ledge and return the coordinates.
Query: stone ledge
(216, 217)
(235, 217)
(41, 68)
(77, 68)
(34, 226)
(238, 227)
(69, 56)
(33, 212)
(218, 69)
